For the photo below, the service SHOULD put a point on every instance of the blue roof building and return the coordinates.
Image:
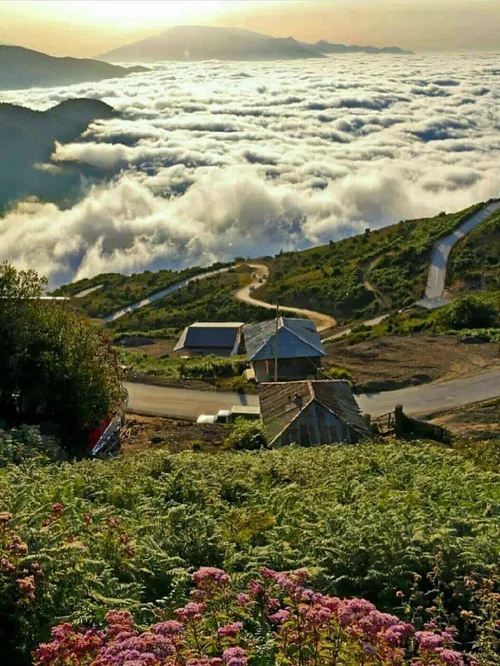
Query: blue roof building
(295, 343)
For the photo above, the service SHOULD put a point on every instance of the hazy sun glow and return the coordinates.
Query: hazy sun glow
(144, 13)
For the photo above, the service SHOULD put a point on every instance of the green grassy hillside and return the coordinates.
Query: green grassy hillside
(120, 290)
(210, 299)
(362, 275)
(475, 260)
(354, 278)
(403, 525)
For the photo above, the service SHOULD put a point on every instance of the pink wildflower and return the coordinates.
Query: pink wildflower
(281, 616)
(243, 599)
(27, 587)
(209, 575)
(235, 656)
(191, 611)
(428, 641)
(450, 657)
(230, 629)
(352, 610)
(169, 628)
(57, 509)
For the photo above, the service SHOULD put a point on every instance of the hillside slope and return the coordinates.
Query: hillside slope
(475, 260)
(27, 139)
(363, 275)
(25, 68)
(194, 43)
(354, 278)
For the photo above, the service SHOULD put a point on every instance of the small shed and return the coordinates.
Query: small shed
(311, 413)
(211, 338)
(294, 342)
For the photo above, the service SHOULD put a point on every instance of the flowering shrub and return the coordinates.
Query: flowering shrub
(18, 578)
(279, 621)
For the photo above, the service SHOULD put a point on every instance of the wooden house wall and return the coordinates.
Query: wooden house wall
(316, 426)
(289, 369)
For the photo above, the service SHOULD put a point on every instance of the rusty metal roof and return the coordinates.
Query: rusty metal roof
(297, 338)
(282, 402)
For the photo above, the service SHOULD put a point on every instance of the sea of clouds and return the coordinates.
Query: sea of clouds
(209, 161)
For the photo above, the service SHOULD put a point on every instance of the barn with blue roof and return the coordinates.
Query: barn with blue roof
(294, 342)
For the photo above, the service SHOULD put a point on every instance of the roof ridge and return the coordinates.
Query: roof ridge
(299, 412)
(306, 342)
(261, 324)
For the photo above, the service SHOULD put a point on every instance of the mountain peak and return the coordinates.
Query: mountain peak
(195, 43)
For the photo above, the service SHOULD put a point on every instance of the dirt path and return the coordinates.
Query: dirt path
(323, 321)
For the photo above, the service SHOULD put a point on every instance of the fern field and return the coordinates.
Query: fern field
(410, 527)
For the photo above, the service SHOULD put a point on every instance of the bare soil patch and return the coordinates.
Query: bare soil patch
(478, 421)
(392, 362)
(146, 432)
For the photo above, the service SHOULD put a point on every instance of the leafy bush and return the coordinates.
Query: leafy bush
(54, 366)
(469, 311)
(19, 581)
(277, 620)
(207, 367)
(338, 373)
(246, 435)
(26, 442)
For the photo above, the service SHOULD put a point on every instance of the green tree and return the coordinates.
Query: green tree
(54, 366)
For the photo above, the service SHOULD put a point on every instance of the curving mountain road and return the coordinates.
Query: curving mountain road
(439, 258)
(322, 321)
(186, 404)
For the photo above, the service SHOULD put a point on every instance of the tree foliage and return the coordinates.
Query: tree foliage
(54, 366)
(469, 311)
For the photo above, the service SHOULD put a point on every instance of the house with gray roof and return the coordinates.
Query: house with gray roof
(311, 413)
(211, 338)
(294, 342)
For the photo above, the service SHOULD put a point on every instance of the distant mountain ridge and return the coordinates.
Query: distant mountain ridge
(196, 43)
(25, 68)
(27, 141)
(327, 47)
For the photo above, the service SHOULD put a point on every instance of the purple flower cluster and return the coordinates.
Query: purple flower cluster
(214, 630)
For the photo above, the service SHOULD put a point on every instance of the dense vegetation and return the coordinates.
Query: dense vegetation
(116, 290)
(55, 368)
(474, 262)
(360, 276)
(276, 620)
(476, 314)
(408, 527)
(211, 299)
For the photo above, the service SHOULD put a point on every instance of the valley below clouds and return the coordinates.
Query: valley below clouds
(209, 161)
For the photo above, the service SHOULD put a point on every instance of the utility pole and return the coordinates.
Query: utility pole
(276, 344)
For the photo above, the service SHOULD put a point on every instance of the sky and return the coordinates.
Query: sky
(87, 28)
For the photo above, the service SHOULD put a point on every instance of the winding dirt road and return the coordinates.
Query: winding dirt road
(323, 321)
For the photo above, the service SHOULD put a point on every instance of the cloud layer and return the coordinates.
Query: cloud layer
(213, 160)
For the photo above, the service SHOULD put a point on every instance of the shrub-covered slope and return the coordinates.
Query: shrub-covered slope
(475, 260)
(362, 275)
